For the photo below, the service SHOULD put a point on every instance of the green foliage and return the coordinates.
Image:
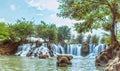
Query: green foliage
(47, 32)
(42, 30)
(106, 39)
(64, 33)
(21, 30)
(52, 33)
(88, 39)
(103, 40)
(95, 39)
(94, 13)
(80, 38)
(3, 31)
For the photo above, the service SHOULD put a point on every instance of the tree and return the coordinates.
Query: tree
(80, 38)
(95, 14)
(42, 30)
(64, 33)
(95, 39)
(106, 38)
(3, 31)
(21, 30)
(52, 33)
(47, 32)
(88, 40)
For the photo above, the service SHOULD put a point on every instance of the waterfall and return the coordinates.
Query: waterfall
(31, 50)
(61, 50)
(91, 48)
(79, 50)
(99, 48)
(74, 49)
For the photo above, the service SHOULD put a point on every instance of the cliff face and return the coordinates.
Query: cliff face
(110, 58)
(8, 48)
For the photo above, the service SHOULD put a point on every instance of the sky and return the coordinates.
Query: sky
(33, 10)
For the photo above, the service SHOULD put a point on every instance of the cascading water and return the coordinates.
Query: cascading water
(91, 48)
(31, 50)
(99, 48)
(74, 49)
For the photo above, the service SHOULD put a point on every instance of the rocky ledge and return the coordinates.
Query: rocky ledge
(113, 65)
(8, 47)
(110, 58)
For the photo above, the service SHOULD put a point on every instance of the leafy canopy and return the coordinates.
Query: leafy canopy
(64, 33)
(94, 13)
(3, 31)
(47, 32)
(21, 30)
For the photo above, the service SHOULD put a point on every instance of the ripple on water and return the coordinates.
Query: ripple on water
(14, 63)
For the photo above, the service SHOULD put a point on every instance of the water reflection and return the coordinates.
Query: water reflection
(15, 63)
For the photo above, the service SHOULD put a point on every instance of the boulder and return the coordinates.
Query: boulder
(110, 58)
(64, 60)
(43, 56)
(113, 65)
(104, 57)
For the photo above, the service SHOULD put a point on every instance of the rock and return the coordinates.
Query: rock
(85, 49)
(38, 43)
(104, 56)
(8, 48)
(64, 60)
(110, 58)
(43, 56)
(113, 65)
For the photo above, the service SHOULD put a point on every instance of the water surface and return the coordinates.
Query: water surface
(16, 63)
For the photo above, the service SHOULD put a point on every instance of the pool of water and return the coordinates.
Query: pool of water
(16, 63)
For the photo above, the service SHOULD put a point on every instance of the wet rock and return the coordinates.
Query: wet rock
(113, 65)
(64, 60)
(43, 56)
(110, 58)
(85, 49)
(38, 43)
(8, 47)
(104, 56)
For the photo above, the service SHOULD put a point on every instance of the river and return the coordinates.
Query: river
(16, 63)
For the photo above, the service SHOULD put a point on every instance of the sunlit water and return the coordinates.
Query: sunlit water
(15, 63)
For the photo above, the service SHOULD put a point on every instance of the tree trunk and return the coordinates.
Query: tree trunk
(114, 40)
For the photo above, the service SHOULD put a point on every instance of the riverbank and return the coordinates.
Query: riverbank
(8, 47)
(110, 58)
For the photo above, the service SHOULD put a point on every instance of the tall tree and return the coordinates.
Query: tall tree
(47, 32)
(21, 30)
(64, 33)
(95, 14)
(42, 30)
(52, 33)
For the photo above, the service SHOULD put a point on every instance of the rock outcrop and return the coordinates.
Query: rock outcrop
(110, 58)
(113, 65)
(104, 56)
(64, 60)
(8, 48)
